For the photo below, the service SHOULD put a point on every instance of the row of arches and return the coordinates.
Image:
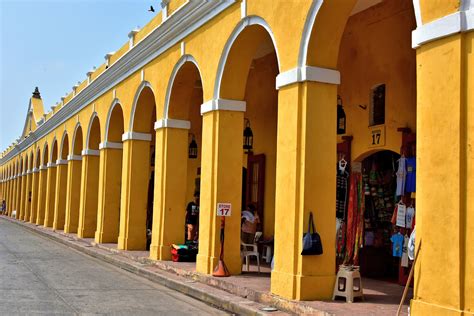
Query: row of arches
(114, 179)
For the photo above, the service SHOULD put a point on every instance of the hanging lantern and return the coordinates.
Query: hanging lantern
(193, 148)
(248, 137)
(341, 117)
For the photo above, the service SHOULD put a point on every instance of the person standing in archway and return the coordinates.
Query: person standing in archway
(192, 218)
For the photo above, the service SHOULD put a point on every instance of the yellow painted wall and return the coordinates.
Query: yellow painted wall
(174, 5)
(435, 9)
(375, 49)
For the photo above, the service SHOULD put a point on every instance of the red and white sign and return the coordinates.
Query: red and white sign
(224, 209)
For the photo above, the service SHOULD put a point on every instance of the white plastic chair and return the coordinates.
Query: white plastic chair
(246, 253)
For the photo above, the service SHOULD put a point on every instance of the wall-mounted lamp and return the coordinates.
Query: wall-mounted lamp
(193, 148)
(248, 136)
(341, 117)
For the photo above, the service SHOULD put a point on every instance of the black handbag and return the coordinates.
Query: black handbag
(312, 244)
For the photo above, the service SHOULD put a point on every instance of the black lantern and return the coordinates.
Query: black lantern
(193, 148)
(341, 117)
(248, 137)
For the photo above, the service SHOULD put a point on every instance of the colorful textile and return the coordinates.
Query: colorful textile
(355, 219)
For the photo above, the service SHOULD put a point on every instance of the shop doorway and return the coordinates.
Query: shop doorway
(254, 192)
(379, 183)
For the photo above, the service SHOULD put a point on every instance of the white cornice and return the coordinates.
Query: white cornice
(170, 123)
(179, 25)
(462, 21)
(308, 73)
(223, 105)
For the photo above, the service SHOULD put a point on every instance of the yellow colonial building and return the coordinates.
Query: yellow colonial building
(316, 82)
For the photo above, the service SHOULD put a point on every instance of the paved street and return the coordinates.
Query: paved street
(38, 275)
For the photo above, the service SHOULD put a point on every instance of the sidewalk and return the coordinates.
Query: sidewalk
(243, 294)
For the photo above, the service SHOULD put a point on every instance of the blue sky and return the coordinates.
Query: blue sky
(52, 44)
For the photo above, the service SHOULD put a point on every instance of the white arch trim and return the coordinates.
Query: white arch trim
(91, 120)
(307, 29)
(115, 102)
(142, 86)
(184, 59)
(247, 21)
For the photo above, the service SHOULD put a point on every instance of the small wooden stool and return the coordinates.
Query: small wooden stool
(348, 283)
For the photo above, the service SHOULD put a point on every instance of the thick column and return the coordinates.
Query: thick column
(73, 195)
(22, 195)
(50, 194)
(15, 196)
(221, 181)
(10, 196)
(305, 181)
(444, 282)
(171, 157)
(9, 200)
(19, 181)
(14, 189)
(89, 191)
(135, 178)
(110, 178)
(60, 197)
(27, 196)
(34, 195)
(42, 188)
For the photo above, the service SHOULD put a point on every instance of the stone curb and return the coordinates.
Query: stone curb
(198, 291)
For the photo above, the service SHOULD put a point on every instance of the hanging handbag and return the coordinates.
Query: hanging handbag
(311, 240)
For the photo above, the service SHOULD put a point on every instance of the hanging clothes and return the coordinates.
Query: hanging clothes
(410, 217)
(355, 219)
(411, 175)
(404, 260)
(401, 176)
(342, 180)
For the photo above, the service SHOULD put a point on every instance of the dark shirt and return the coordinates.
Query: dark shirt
(192, 213)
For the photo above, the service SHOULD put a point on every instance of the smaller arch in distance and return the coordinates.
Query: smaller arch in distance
(184, 59)
(38, 157)
(77, 128)
(142, 86)
(91, 120)
(54, 145)
(31, 160)
(63, 139)
(45, 153)
(115, 102)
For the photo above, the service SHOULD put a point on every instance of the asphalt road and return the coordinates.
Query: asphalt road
(38, 275)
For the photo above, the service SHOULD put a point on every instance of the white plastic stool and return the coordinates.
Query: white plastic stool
(348, 283)
(267, 253)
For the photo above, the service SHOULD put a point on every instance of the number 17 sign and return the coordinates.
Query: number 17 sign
(224, 209)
